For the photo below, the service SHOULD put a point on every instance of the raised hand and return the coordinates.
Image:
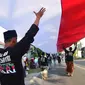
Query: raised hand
(40, 13)
(75, 44)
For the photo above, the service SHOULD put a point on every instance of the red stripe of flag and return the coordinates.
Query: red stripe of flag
(72, 26)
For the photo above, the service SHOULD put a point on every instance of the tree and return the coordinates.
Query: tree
(79, 46)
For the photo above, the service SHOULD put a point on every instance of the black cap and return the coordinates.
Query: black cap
(9, 34)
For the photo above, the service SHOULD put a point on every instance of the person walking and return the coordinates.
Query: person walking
(59, 59)
(69, 60)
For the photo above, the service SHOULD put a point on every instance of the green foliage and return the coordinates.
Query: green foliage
(35, 52)
(39, 51)
(79, 46)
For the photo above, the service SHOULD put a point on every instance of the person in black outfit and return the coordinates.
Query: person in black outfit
(49, 58)
(11, 70)
(39, 61)
(59, 59)
(44, 62)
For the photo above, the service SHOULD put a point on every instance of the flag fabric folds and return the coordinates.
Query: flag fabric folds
(72, 25)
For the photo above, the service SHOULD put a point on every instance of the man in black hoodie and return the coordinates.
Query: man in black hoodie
(11, 70)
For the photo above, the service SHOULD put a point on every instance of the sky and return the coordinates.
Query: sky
(1, 34)
(18, 15)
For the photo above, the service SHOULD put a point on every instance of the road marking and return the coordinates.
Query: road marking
(80, 60)
(79, 66)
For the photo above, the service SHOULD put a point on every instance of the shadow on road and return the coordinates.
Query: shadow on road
(56, 74)
(58, 70)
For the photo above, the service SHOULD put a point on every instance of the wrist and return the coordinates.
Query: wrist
(37, 18)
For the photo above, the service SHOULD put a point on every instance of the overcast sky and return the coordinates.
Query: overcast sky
(18, 15)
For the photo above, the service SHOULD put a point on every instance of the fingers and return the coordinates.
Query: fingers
(42, 10)
(40, 13)
(75, 43)
(34, 12)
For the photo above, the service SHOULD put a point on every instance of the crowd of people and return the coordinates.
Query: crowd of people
(43, 61)
(47, 60)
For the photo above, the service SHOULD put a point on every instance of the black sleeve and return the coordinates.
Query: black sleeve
(23, 45)
(65, 50)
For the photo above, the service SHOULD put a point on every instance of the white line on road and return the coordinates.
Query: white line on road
(80, 60)
(80, 67)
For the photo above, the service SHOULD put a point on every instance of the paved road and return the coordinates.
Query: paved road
(57, 76)
(80, 62)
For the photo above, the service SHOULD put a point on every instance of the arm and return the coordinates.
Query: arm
(65, 49)
(23, 45)
(39, 15)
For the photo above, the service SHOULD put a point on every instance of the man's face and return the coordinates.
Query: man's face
(13, 41)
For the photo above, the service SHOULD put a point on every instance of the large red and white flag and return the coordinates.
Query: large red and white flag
(62, 24)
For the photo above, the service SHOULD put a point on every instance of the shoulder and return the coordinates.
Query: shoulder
(1, 50)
